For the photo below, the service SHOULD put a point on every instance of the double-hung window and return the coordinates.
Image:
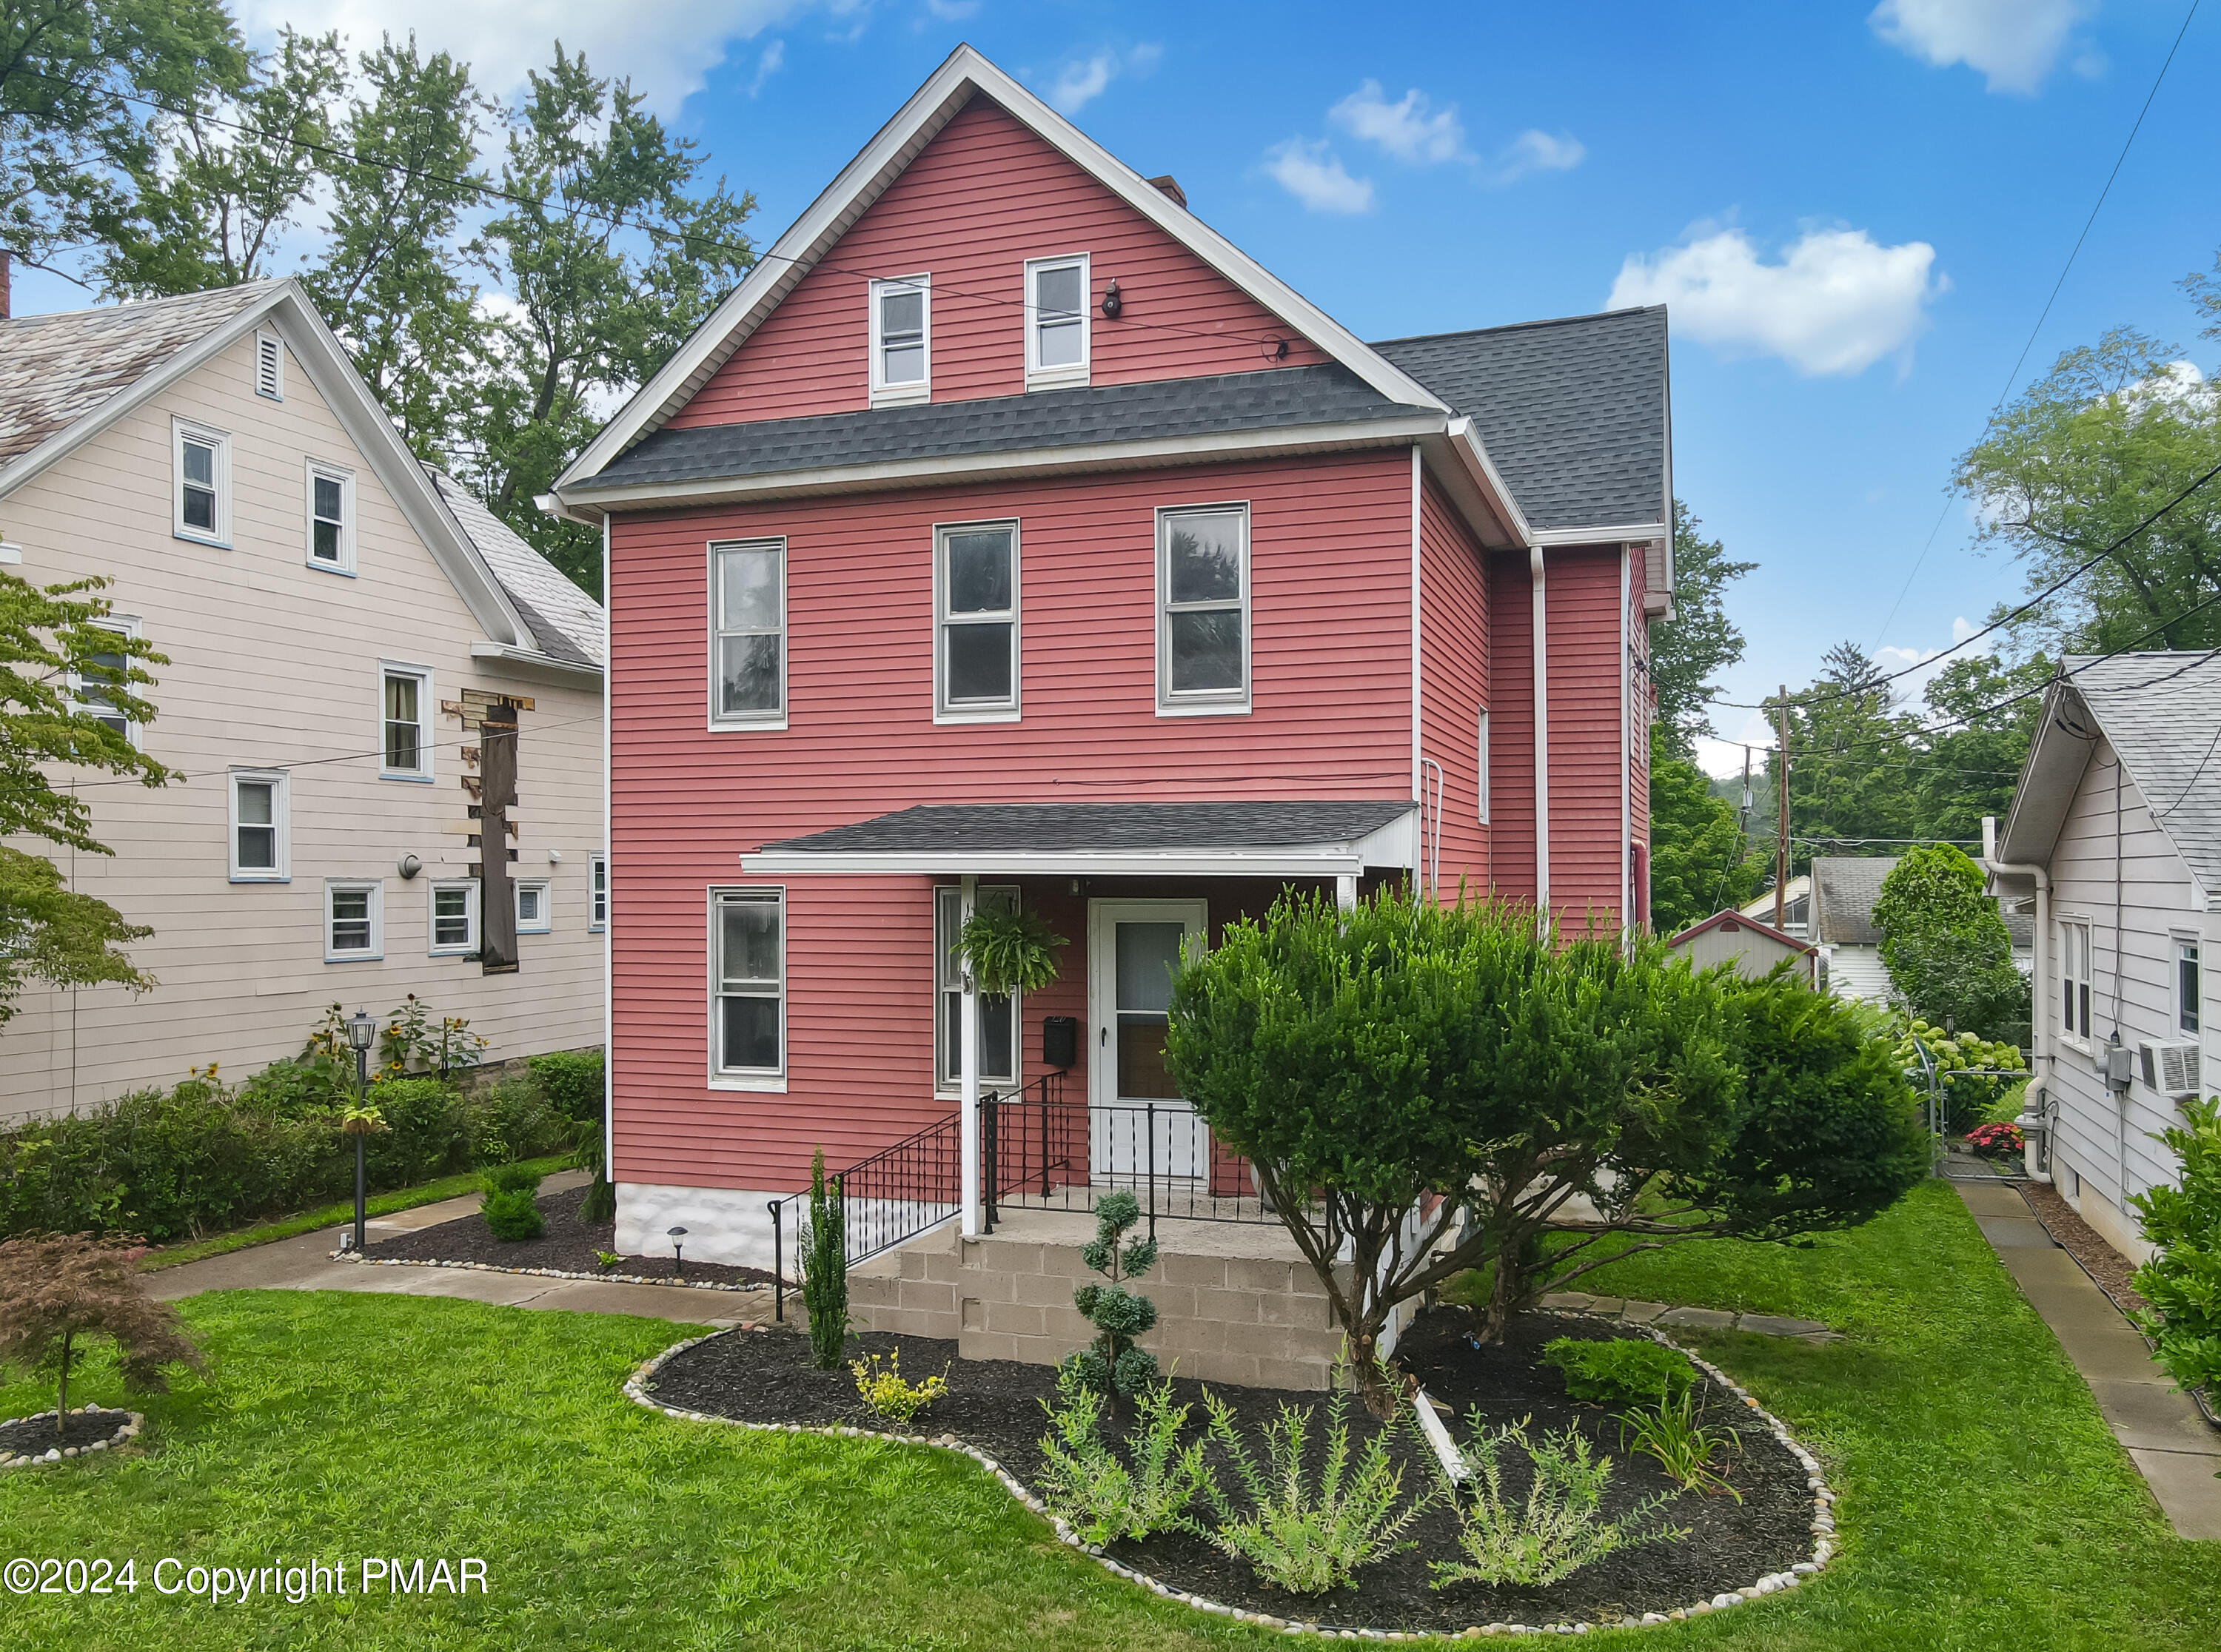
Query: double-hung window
(354, 920)
(404, 694)
(998, 1017)
(532, 916)
(748, 944)
(1203, 609)
(747, 634)
(2074, 981)
(597, 887)
(258, 826)
(331, 517)
(2186, 987)
(200, 470)
(902, 340)
(93, 694)
(975, 588)
(454, 916)
(1056, 322)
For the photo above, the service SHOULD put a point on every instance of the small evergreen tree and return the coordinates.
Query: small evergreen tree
(59, 1290)
(1947, 948)
(1112, 1365)
(825, 1268)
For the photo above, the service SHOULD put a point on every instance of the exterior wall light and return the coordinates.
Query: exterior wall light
(1113, 305)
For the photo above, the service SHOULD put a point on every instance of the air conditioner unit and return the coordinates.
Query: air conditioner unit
(2170, 1068)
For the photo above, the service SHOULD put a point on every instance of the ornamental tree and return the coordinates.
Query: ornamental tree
(1947, 948)
(61, 1291)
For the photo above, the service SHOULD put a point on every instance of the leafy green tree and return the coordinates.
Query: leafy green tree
(1970, 765)
(1851, 761)
(52, 637)
(1702, 860)
(1947, 948)
(71, 134)
(596, 307)
(1698, 642)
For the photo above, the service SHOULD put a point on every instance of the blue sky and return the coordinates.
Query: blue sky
(1856, 212)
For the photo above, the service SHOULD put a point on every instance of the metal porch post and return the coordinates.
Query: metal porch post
(968, 1045)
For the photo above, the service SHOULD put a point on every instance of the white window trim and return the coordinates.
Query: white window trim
(344, 477)
(1480, 769)
(884, 395)
(179, 430)
(1039, 377)
(266, 342)
(944, 1085)
(598, 894)
(387, 668)
(545, 923)
(722, 1077)
(1217, 702)
(124, 625)
(376, 888)
(2067, 1036)
(998, 711)
(432, 918)
(719, 719)
(2177, 939)
(281, 811)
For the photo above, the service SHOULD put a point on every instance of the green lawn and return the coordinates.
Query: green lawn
(1985, 1505)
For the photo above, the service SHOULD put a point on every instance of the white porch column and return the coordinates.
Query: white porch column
(968, 1045)
(1345, 892)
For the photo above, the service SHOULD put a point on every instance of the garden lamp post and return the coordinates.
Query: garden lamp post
(361, 1033)
(678, 1236)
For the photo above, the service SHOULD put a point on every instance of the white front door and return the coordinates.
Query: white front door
(1133, 947)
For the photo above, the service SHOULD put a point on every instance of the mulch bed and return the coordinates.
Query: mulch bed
(995, 1405)
(569, 1245)
(26, 1435)
(2108, 1267)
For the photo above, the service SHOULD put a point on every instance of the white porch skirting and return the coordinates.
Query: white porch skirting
(723, 1224)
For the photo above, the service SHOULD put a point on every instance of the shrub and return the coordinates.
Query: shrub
(825, 1268)
(1303, 1536)
(1998, 1140)
(1947, 948)
(1969, 1095)
(512, 1178)
(1111, 1362)
(511, 1119)
(573, 1081)
(890, 1394)
(1102, 1498)
(2183, 1280)
(508, 1206)
(1670, 1433)
(1558, 1529)
(293, 1089)
(1621, 1371)
(59, 1292)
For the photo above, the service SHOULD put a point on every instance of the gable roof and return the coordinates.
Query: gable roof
(81, 371)
(1736, 919)
(1574, 411)
(566, 623)
(1844, 890)
(2161, 711)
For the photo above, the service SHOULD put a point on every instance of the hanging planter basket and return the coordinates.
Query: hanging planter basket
(1009, 952)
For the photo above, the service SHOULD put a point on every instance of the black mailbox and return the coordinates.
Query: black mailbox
(1060, 1040)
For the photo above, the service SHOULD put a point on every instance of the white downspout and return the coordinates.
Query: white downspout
(2032, 1119)
(608, 887)
(1418, 794)
(968, 1045)
(1542, 739)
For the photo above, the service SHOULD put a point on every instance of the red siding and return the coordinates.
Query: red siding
(1331, 668)
(978, 201)
(1641, 706)
(1582, 589)
(1453, 673)
(1511, 721)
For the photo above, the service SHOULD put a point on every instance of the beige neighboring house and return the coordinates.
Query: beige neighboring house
(336, 618)
(1753, 947)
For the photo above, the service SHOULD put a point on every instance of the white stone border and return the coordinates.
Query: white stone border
(349, 1255)
(1823, 1514)
(130, 1431)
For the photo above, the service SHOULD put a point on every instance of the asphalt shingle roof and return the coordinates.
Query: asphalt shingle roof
(565, 622)
(1573, 411)
(1080, 827)
(1273, 399)
(1845, 887)
(2161, 713)
(56, 369)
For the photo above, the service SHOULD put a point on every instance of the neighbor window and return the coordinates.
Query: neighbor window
(354, 920)
(258, 826)
(998, 1017)
(532, 907)
(93, 695)
(748, 648)
(975, 584)
(2186, 987)
(1480, 772)
(597, 881)
(455, 915)
(200, 461)
(405, 701)
(748, 943)
(902, 339)
(2074, 980)
(1203, 609)
(1056, 322)
(269, 366)
(331, 517)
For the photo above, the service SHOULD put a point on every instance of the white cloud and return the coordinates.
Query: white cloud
(951, 11)
(1313, 173)
(2014, 43)
(1411, 128)
(773, 60)
(1536, 150)
(1080, 82)
(1836, 303)
(666, 48)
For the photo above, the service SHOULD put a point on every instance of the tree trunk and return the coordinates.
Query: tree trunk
(61, 1405)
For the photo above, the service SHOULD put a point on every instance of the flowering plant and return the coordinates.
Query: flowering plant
(2001, 1139)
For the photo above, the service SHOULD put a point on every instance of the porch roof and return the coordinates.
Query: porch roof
(1332, 838)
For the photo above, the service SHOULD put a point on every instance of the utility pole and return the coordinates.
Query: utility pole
(1781, 837)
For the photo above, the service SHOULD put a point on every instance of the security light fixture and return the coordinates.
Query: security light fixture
(1113, 305)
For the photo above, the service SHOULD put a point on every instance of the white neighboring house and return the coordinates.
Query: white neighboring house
(1833, 906)
(330, 609)
(2115, 833)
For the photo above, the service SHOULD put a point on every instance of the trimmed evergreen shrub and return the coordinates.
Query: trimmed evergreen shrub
(825, 1268)
(508, 1205)
(1112, 1365)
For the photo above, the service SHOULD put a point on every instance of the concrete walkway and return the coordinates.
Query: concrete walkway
(2175, 1449)
(305, 1263)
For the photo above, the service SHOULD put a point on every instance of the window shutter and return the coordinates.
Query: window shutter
(269, 367)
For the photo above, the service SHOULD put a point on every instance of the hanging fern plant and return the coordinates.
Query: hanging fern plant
(1009, 952)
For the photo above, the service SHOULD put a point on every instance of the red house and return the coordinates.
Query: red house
(1010, 535)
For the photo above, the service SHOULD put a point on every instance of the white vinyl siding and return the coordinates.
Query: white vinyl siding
(975, 598)
(200, 482)
(901, 323)
(354, 920)
(454, 916)
(747, 634)
(1057, 322)
(331, 517)
(259, 853)
(1000, 1019)
(404, 708)
(1203, 609)
(748, 984)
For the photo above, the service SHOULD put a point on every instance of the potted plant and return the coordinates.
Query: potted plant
(1007, 951)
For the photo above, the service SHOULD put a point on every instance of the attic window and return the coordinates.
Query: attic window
(902, 337)
(269, 366)
(1056, 322)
